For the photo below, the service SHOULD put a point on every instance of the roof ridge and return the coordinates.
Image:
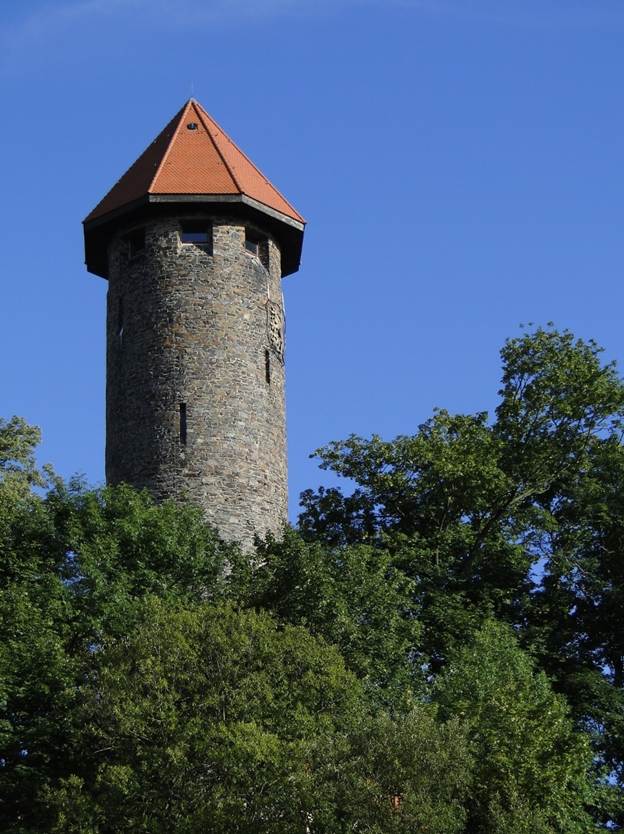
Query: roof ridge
(201, 113)
(243, 154)
(183, 112)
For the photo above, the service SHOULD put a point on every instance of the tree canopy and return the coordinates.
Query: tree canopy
(437, 647)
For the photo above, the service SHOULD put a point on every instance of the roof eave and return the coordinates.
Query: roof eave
(97, 229)
(228, 198)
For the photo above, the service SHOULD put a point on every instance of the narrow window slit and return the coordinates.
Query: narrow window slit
(183, 424)
(267, 366)
(120, 319)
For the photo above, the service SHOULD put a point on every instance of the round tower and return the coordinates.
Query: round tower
(194, 242)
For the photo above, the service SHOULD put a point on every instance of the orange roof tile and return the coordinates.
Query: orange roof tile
(202, 160)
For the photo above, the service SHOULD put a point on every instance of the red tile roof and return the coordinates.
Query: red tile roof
(202, 160)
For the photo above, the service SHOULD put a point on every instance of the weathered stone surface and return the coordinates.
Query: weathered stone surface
(200, 331)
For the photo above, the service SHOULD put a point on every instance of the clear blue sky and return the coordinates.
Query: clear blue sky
(460, 163)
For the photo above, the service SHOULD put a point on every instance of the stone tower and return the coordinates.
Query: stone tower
(194, 242)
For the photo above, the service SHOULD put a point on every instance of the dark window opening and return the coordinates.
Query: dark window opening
(267, 366)
(120, 319)
(252, 245)
(183, 424)
(198, 233)
(257, 245)
(136, 242)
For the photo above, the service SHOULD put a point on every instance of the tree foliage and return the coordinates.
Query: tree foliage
(354, 597)
(205, 718)
(517, 517)
(531, 766)
(437, 649)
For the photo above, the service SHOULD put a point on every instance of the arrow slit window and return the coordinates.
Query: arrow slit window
(183, 428)
(120, 319)
(267, 367)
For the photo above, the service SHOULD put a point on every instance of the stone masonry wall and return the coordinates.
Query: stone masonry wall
(202, 332)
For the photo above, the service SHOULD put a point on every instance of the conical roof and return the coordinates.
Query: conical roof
(191, 164)
(193, 156)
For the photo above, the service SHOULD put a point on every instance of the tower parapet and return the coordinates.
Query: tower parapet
(194, 242)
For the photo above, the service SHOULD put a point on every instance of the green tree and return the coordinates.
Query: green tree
(408, 773)
(353, 597)
(207, 719)
(532, 769)
(516, 516)
(114, 612)
(18, 468)
(74, 567)
(575, 621)
(134, 697)
(434, 497)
